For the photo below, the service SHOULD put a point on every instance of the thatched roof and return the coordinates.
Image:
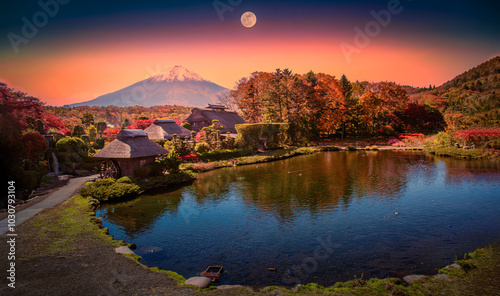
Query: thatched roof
(131, 144)
(165, 129)
(227, 119)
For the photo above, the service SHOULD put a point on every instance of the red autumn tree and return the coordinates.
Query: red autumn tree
(33, 145)
(141, 124)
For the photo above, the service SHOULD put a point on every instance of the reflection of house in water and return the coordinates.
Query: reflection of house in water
(201, 118)
(165, 129)
(131, 150)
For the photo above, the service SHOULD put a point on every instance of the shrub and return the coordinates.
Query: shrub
(251, 135)
(202, 148)
(477, 136)
(444, 139)
(351, 148)
(225, 154)
(99, 143)
(171, 162)
(161, 142)
(305, 150)
(186, 125)
(494, 144)
(108, 189)
(125, 179)
(31, 179)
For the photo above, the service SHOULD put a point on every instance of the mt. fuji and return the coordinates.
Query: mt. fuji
(173, 85)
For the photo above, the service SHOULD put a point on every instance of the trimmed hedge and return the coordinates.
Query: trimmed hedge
(250, 135)
(225, 154)
(111, 189)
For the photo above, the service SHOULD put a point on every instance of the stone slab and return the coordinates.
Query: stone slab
(199, 281)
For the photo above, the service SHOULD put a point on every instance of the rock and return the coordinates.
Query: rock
(133, 247)
(198, 281)
(454, 265)
(442, 277)
(123, 250)
(227, 287)
(64, 177)
(411, 278)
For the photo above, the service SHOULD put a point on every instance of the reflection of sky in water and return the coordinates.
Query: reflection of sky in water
(278, 214)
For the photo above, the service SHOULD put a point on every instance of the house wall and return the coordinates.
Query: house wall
(128, 165)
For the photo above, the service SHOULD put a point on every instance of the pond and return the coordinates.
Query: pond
(320, 218)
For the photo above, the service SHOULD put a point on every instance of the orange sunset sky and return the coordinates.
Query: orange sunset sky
(79, 55)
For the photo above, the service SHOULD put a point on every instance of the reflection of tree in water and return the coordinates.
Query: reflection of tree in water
(326, 181)
(139, 214)
(459, 171)
(284, 189)
(213, 186)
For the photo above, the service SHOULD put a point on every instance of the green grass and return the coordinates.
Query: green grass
(456, 152)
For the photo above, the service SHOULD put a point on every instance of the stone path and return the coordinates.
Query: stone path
(52, 200)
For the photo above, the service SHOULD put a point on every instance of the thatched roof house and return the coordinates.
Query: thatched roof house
(201, 118)
(165, 129)
(131, 150)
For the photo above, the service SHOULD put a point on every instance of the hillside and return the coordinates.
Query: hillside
(472, 99)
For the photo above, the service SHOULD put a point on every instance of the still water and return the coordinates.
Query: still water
(318, 218)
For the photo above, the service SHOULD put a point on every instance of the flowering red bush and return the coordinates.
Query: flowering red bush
(395, 142)
(477, 135)
(410, 135)
(190, 158)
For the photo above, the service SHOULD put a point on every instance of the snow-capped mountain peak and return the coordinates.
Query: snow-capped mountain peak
(176, 73)
(173, 85)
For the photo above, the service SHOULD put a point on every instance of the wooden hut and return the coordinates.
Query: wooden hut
(131, 150)
(201, 118)
(165, 129)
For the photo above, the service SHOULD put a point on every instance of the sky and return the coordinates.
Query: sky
(68, 51)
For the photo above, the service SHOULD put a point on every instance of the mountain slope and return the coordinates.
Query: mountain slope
(174, 85)
(472, 99)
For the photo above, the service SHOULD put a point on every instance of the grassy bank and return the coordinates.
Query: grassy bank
(457, 152)
(232, 161)
(65, 252)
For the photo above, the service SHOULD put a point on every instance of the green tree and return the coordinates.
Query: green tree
(92, 133)
(100, 126)
(186, 125)
(78, 131)
(87, 119)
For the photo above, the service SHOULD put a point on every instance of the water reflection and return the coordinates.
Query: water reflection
(251, 217)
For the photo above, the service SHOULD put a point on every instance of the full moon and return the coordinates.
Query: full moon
(248, 19)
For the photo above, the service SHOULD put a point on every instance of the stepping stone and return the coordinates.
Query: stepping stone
(442, 277)
(454, 265)
(411, 278)
(227, 287)
(198, 281)
(124, 250)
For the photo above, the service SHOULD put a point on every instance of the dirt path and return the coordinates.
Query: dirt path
(51, 200)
